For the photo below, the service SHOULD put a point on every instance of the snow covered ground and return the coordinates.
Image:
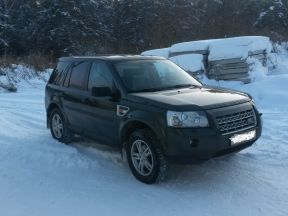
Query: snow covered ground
(40, 176)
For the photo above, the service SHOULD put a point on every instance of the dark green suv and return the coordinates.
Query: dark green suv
(150, 107)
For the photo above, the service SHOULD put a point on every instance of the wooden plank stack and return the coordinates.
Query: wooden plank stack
(235, 69)
(223, 59)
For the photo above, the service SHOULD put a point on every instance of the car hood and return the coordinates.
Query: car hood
(197, 98)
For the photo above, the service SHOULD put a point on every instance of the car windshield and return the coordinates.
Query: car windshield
(153, 75)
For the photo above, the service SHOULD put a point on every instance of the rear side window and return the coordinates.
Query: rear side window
(79, 75)
(58, 74)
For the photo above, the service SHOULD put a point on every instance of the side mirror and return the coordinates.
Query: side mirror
(101, 91)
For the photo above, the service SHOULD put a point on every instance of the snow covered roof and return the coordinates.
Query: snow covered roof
(191, 46)
(238, 47)
(157, 52)
(218, 49)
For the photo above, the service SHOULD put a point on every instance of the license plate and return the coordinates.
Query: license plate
(241, 138)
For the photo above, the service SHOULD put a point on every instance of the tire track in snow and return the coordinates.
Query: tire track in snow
(253, 181)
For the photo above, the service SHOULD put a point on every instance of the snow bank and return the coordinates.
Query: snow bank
(238, 47)
(157, 52)
(57, 179)
(268, 91)
(15, 76)
(189, 62)
(277, 60)
(268, 88)
(257, 71)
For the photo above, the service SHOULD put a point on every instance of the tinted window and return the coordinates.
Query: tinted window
(100, 75)
(79, 75)
(153, 75)
(67, 78)
(58, 74)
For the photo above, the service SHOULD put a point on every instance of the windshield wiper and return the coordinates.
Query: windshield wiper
(182, 86)
(148, 90)
(165, 88)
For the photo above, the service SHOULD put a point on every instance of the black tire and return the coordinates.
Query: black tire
(66, 135)
(156, 158)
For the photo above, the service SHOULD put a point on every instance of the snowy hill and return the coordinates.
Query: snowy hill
(39, 176)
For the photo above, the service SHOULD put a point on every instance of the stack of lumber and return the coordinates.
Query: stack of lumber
(236, 69)
(221, 59)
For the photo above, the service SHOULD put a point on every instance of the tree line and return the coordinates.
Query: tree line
(89, 27)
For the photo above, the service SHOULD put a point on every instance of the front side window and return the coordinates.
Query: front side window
(153, 75)
(100, 76)
(79, 75)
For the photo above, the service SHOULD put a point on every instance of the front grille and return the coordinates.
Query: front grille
(236, 121)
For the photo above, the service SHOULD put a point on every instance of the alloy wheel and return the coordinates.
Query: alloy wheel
(142, 157)
(57, 126)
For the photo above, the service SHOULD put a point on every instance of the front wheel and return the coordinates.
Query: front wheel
(145, 157)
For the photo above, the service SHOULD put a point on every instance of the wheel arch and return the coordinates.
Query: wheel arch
(136, 124)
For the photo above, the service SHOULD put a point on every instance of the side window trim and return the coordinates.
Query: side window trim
(68, 75)
(88, 77)
(93, 62)
(52, 74)
(65, 72)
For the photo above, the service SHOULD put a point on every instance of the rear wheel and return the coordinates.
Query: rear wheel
(59, 128)
(145, 157)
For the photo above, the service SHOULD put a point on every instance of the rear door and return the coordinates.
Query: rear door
(100, 120)
(74, 94)
(54, 86)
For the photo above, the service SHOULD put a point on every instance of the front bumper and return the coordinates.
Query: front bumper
(187, 146)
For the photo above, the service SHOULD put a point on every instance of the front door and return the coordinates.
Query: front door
(100, 120)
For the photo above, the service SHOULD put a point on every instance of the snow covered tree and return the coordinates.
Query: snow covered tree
(72, 26)
(6, 27)
(23, 17)
(127, 24)
(79, 27)
(273, 19)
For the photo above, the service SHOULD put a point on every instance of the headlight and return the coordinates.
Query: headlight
(187, 119)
